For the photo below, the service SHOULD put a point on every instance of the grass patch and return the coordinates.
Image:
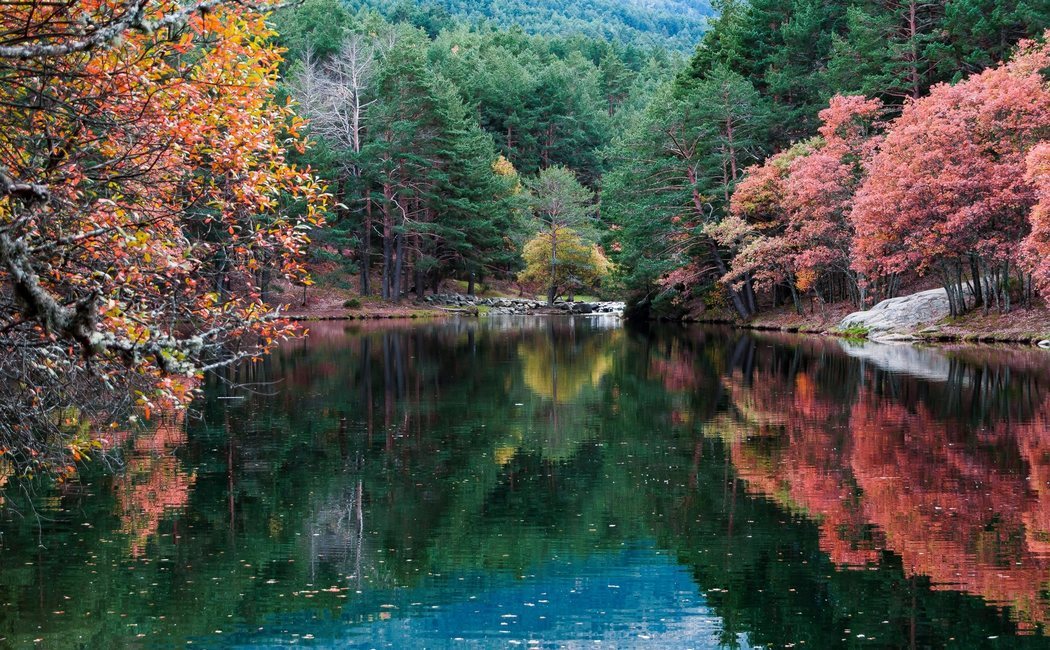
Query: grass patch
(855, 332)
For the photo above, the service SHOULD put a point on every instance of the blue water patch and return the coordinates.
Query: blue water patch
(631, 599)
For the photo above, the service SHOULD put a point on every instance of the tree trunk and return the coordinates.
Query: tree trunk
(398, 266)
(913, 54)
(366, 248)
(388, 243)
(749, 295)
(975, 283)
(738, 302)
(795, 298)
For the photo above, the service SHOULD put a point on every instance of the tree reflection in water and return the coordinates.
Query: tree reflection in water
(813, 490)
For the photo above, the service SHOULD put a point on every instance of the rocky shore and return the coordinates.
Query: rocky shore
(522, 306)
(921, 317)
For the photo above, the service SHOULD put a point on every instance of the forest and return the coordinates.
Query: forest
(824, 152)
(673, 24)
(807, 154)
(452, 154)
(171, 173)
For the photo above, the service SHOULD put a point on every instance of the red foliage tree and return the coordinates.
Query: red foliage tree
(819, 193)
(1037, 246)
(947, 191)
(790, 216)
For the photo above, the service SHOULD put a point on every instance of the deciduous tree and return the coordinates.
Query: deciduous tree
(562, 207)
(948, 185)
(577, 264)
(1037, 246)
(144, 188)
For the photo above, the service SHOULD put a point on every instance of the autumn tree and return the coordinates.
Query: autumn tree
(755, 232)
(144, 186)
(578, 266)
(947, 193)
(818, 199)
(561, 207)
(1037, 246)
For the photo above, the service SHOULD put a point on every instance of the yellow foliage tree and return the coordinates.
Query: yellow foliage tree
(577, 264)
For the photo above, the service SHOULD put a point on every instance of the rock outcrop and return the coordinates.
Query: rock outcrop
(522, 306)
(900, 317)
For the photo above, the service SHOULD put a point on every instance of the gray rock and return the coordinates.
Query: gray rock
(900, 315)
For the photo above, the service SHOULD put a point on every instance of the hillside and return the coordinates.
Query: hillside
(675, 24)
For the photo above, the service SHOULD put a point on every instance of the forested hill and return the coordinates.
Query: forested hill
(675, 24)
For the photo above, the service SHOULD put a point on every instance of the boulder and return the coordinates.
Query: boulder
(903, 315)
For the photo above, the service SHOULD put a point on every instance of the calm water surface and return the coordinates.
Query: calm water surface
(561, 483)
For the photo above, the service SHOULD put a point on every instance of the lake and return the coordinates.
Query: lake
(557, 482)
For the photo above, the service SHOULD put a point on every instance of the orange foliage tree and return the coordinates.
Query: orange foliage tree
(144, 193)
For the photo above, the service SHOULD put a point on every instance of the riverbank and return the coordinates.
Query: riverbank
(330, 304)
(1020, 326)
(335, 305)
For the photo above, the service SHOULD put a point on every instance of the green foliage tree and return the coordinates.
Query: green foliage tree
(674, 24)
(978, 34)
(782, 49)
(673, 173)
(315, 26)
(886, 48)
(542, 107)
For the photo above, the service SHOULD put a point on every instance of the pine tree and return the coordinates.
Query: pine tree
(559, 204)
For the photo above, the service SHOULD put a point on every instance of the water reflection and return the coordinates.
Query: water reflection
(562, 482)
(938, 457)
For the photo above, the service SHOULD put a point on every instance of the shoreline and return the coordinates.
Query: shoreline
(986, 338)
(1019, 328)
(928, 335)
(370, 316)
(440, 306)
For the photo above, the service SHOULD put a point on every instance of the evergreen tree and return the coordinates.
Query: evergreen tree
(674, 174)
(559, 204)
(886, 49)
